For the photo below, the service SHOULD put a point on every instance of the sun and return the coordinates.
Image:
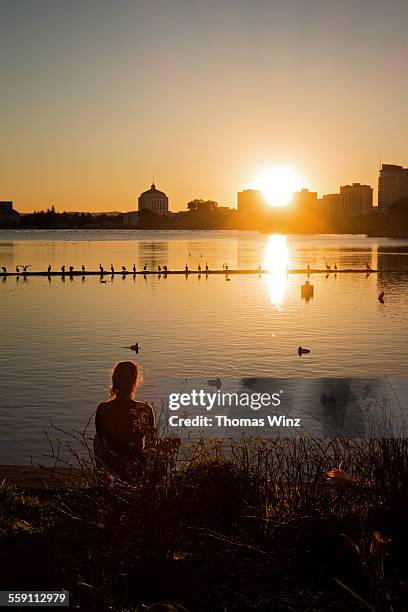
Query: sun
(278, 183)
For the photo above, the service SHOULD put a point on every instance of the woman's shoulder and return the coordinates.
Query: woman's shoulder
(141, 406)
(104, 407)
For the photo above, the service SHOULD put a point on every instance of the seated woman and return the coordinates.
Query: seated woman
(125, 428)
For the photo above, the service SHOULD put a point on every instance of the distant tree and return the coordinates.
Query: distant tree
(202, 205)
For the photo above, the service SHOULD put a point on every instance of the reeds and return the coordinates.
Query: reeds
(291, 523)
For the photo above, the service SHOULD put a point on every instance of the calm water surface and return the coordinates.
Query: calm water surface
(59, 338)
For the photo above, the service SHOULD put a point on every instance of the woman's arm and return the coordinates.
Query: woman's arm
(151, 428)
(98, 422)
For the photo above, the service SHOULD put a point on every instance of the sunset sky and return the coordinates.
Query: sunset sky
(97, 96)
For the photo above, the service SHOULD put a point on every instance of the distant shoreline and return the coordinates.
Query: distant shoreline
(403, 236)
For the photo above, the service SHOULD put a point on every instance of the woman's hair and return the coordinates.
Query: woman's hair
(124, 378)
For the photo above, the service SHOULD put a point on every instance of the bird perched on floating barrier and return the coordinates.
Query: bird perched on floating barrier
(206, 266)
(112, 269)
(49, 268)
(145, 267)
(199, 268)
(159, 268)
(124, 269)
(381, 297)
(303, 351)
(327, 266)
(367, 266)
(4, 269)
(134, 269)
(101, 270)
(17, 270)
(186, 268)
(335, 266)
(83, 268)
(63, 269)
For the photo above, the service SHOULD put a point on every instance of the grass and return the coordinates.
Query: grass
(222, 526)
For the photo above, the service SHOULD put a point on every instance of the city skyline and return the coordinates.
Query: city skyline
(99, 99)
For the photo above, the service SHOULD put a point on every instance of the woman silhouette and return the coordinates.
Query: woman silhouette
(125, 428)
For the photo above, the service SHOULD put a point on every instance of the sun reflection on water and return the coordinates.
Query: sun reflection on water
(276, 260)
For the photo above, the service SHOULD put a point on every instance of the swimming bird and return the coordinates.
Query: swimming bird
(133, 347)
(303, 351)
(4, 269)
(112, 269)
(103, 281)
(215, 382)
(381, 297)
(134, 269)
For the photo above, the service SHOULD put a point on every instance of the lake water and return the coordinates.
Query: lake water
(60, 338)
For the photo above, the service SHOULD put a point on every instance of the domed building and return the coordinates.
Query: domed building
(154, 200)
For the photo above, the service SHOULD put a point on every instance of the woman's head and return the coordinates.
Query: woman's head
(124, 379)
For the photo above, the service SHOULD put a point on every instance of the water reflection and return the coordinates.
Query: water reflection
(276, 260)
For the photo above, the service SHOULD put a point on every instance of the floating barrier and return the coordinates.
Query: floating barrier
(307, 272)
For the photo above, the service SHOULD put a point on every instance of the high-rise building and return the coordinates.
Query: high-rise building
(251, 202)
(356, 199)
(8, 216)
(331, 205)
(154, 200)
(352, 201)
(304, 198)
(392, 185)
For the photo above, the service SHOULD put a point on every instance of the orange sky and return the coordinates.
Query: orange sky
(98, 97)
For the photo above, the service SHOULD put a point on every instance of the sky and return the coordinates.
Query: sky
(97, 97)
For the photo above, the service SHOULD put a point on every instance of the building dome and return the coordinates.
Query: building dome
(154, 200)
(153, 190)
